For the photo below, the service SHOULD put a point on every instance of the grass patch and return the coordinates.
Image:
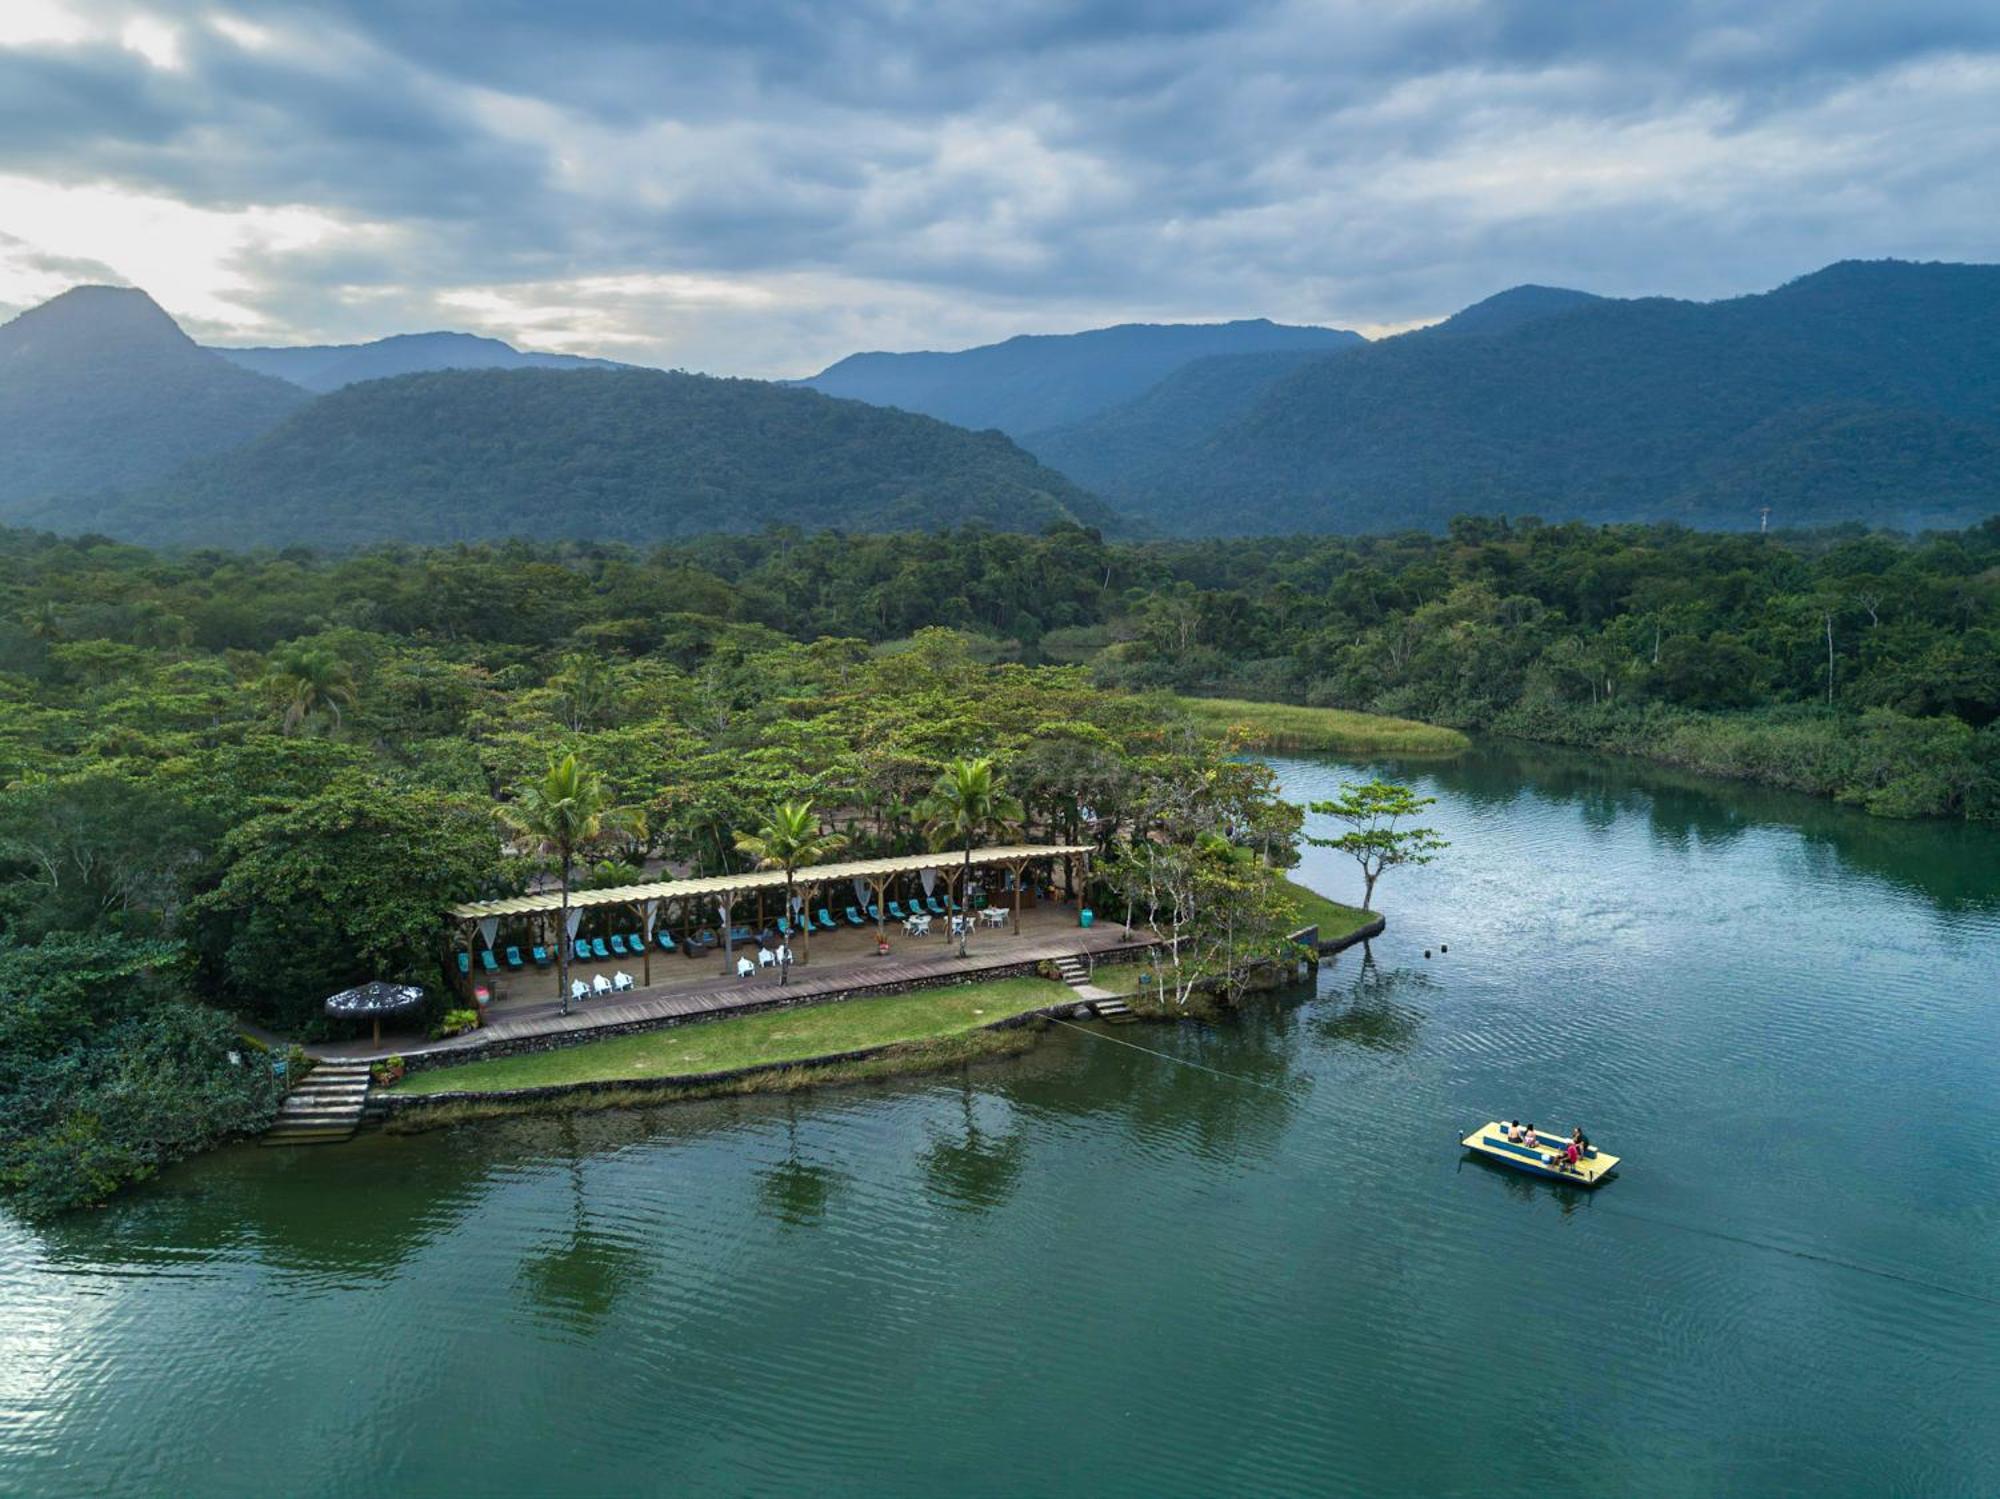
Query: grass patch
(926, 1015)
(1286, 726)
(897, 1061)
(1332, 918)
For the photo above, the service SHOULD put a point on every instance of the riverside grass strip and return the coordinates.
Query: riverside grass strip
(776, 1036)
(1279, 727)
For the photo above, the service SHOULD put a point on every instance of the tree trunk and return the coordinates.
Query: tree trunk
(965, 898)
(785, 969)
(1368, 889)
(562, 939)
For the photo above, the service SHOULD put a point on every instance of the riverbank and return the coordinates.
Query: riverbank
(1337, 923)
(847, 1041)
(1287, 727)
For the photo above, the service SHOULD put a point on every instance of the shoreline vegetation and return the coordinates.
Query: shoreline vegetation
(1279, 728)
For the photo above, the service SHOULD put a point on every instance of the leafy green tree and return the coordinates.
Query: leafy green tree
(966, 805)
(567, 811)
(789, 837)
(347, 885)
(1374, 838)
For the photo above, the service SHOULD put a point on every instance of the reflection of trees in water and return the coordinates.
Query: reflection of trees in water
(979, 1171)
(1377, 1010)
(578, 1282)
(795, 1192)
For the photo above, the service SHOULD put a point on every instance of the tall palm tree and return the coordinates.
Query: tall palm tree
(967, 803)
(789, 837)
(563, 813)
(313, 682)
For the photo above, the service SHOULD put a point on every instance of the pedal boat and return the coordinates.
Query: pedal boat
(1544, 1159)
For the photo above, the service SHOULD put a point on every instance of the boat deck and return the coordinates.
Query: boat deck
(1490, 1141)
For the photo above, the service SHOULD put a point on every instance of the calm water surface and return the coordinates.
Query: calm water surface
(1098, 1270)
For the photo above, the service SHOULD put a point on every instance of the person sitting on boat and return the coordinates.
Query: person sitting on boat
(1580, 1140)
(1529, 1138)
(1515, 1130)
(1570, 1156)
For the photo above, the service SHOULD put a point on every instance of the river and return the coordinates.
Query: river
(1245, 1259)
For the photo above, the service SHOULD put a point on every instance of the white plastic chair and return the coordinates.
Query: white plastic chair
(579, 990)
(784, 953)
(744, 968)
(622, 980)
(600, 985)
(766, 958)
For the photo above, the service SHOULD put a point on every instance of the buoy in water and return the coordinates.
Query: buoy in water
(1444, 947)
(1427, 953)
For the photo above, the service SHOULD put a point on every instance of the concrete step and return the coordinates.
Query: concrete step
(1114, 1009)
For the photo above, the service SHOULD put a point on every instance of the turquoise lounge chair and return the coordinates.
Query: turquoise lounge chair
(784, 927)
(936, 909)
(825, 919)
(514, 958)
(465, 963)
(487, 961)
(854, 917)
(599, 949)
(541, 957)
(633, 945)
(618, 944)
(896, 911)
(665, 938)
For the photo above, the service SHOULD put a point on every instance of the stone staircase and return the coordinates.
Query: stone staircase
(1114, 1010)
(1074, 971)
(326, 1107)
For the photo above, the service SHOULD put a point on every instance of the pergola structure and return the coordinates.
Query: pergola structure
(722, 894)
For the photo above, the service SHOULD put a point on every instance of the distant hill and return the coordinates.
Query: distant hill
(1866, 391)
(99, 388)
(1507, 310)
(324, 367)
(1039, 381)
(635, 455)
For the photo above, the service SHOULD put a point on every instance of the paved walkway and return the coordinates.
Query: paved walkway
(640, 1008)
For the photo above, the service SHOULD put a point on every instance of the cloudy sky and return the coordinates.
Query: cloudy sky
(754, 188)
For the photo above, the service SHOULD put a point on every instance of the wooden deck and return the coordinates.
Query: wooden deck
(698, 992)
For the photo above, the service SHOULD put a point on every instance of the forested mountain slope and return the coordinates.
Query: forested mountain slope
(325, 367)
(99, 388)
(1039, 381)
(632, 455)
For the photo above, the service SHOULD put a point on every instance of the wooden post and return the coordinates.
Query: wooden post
(881, 889)
(1018, 868)
(812, 899)
(645, 944)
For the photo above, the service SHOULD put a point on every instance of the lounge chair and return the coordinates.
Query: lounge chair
(784, 927)
(540, 955)
(825, 919)
(582, 952)
(598, 949)
(633, 945)
(665, 938)
(487, 961)
(936, 909)
(622, 980)
(854, 917)
(618, 944)
(465, 963)
(600, 985)
(896, 911)
(578, 989)
(874, 912)
(514, 958)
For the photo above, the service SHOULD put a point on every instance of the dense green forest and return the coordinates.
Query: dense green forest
(248, 779)
(1863, 391)
(634, 454)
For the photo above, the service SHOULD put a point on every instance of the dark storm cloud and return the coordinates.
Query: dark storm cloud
(760, 186)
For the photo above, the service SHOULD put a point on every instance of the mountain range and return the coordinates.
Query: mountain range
(1864, 391)
(1042, 380)
(325, 367)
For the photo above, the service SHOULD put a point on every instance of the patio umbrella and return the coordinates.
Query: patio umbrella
(373, 1001)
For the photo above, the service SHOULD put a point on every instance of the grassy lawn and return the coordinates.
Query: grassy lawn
(1330, 916)
(1283, 726)
(748, 1040)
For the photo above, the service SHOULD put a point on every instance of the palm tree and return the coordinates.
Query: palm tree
(790, 836)
(563, 813)
(968, 803)
(312, 681)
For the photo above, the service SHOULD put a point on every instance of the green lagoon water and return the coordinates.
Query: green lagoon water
(1099, 1271)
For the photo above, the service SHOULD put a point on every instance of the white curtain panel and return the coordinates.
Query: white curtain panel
(652, 909)
(489, 929)
(575, 920)
(930, 879)
(861, 893)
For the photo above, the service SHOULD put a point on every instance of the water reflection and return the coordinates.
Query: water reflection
(979, 1171)
(795, 1192)
(578, 1282)
(1377, 1011)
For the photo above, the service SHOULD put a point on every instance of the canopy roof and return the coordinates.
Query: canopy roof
(762, 879)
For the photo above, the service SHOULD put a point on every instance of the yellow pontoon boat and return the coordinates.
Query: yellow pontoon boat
(1543, 1159)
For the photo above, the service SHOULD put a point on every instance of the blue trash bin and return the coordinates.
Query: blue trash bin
(1085, 917)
